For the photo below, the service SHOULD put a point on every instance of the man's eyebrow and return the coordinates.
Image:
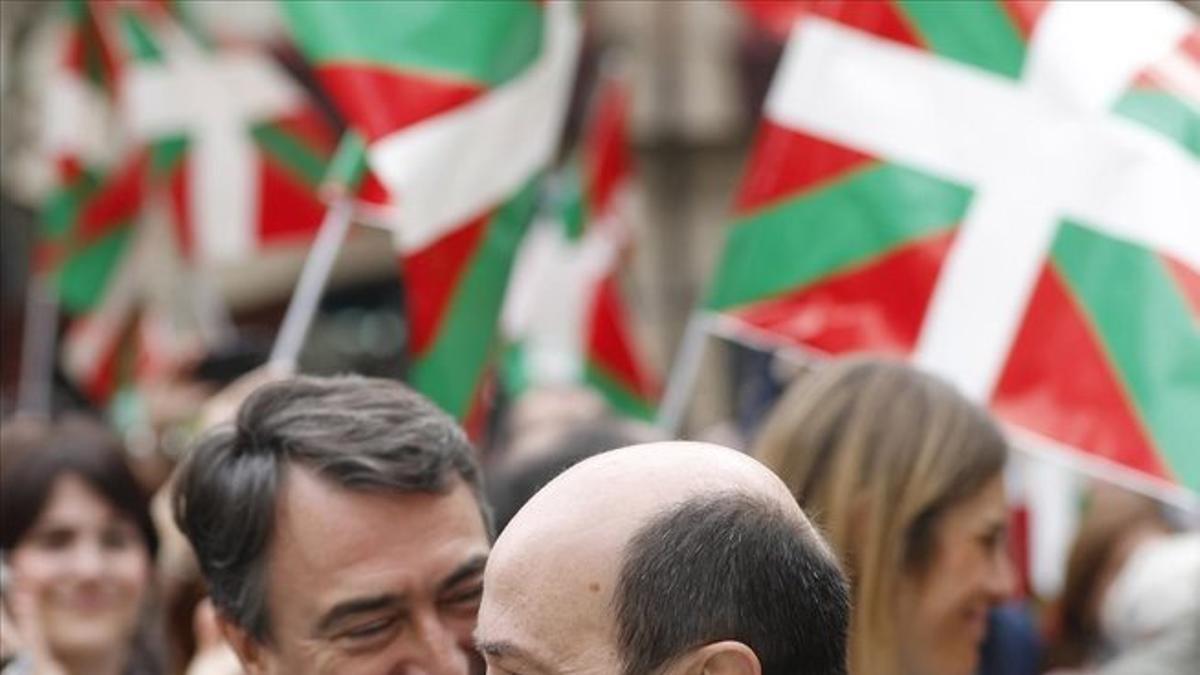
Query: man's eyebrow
(349, 608)
(503, 649)
(468, 569)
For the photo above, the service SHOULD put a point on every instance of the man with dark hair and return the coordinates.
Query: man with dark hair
(664, 558)
(339, 524)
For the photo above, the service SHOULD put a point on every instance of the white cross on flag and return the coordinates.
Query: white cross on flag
(1006, 192)
(238, 143)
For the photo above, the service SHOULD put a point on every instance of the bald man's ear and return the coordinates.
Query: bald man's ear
(719, 658)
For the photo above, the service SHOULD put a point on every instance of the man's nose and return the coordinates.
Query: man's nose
(438, 649)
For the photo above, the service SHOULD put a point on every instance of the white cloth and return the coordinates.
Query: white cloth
(1157, 589)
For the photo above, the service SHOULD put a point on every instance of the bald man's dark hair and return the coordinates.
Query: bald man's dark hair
(731, 566)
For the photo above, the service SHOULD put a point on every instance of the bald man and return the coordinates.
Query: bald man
(665, 559)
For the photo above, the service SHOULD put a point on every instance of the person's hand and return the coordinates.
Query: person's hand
(21, 636)
(214, 656)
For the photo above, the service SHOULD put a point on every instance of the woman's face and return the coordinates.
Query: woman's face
(87, 567)
(943, 612)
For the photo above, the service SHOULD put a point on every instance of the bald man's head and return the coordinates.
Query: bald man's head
(671, 558)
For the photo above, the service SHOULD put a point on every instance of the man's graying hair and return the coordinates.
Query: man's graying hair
(360, 433)
(731, 566)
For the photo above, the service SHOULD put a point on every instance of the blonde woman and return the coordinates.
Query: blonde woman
(904, 476)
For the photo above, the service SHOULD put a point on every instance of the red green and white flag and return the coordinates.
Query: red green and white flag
(460, 104)
(89, 214)
(1003, 191)
(105, 91)
(124, 340)
(90, 217)
(565, 315)
(235, 142)
(87, 226)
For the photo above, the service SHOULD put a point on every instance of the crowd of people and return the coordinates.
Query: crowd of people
(347, 525)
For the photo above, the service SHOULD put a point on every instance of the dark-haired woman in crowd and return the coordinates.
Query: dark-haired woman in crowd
(904, 476)
(78, 547)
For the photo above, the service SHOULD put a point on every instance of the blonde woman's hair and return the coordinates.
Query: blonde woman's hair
(875, 451)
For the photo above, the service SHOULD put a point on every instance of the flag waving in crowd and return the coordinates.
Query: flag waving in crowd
(89, 220)
(239, 144)
(220, 137)
(892, 203)
(460, 105)
(89, 215)
(565, 312)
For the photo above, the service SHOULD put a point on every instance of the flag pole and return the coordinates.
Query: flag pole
(1044, 449)
(684, 373)
(303, 306)
(38, 348)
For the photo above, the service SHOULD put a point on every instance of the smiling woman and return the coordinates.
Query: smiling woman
(79, 544)
(903, 475)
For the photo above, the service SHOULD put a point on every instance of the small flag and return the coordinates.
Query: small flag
(239, 147)
(460, 104)
(89, 214)
(565, 314)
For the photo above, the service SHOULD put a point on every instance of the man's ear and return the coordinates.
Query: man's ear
(719, 658)
(248, 649)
